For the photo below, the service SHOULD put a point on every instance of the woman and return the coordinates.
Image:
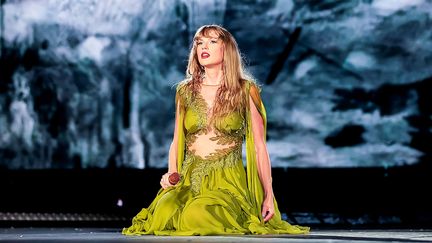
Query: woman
(217, 108)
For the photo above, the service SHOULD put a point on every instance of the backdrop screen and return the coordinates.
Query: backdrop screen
(91, 84)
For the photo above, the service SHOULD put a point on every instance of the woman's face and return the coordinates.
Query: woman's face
(210, 50)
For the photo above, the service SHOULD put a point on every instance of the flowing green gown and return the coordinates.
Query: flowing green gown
(216, 195)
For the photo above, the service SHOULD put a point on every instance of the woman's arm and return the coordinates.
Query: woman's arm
(172, 156)
(172, 162)
(263, 159)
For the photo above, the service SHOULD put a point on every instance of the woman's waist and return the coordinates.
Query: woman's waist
(233, 152)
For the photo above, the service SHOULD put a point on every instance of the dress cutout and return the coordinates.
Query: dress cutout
(216, 195)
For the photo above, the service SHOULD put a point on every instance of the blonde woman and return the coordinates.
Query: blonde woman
(207, 190)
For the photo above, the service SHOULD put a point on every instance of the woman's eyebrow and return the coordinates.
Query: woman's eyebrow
(205, 37)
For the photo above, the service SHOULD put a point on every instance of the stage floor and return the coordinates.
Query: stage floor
(113, 235)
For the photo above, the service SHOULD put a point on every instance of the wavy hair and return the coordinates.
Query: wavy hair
(230, 95)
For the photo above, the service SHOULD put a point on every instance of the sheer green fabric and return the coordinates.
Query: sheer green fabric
(216, 195)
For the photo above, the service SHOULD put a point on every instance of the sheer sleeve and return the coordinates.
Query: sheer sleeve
(176, 154)
(257, 117)
(259, 137)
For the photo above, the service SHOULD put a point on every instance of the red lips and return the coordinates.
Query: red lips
(205, 55)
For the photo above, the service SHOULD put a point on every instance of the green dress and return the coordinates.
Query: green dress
(216, 195)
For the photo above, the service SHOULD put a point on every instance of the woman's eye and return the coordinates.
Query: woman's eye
(199, 43)
(214, 41)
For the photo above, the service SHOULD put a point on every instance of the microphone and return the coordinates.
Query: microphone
(174, 178)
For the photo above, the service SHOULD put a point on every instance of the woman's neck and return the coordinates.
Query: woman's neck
(213, 76)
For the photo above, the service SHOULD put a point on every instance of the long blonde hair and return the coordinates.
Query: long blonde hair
(231, 94)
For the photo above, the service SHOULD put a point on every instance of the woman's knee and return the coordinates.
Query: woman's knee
(168, 201)
(195, 208)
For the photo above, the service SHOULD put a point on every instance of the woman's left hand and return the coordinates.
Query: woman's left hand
(268, 208)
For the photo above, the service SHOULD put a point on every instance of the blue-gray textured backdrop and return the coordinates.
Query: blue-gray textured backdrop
(89, 84)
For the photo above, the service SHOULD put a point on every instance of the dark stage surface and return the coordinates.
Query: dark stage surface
(321, 198)
(113, 235)
(340, 205)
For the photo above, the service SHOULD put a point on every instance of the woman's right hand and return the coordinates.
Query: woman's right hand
(164, 182)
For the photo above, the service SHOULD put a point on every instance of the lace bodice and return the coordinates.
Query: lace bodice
(205, 139)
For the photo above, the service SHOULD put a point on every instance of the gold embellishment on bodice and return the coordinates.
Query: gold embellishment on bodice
(204, 166)
(226, 132)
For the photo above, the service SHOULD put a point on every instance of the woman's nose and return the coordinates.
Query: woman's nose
(205, 45)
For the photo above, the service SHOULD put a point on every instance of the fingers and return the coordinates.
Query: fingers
(267, 213)
(164, 182)
(165, 185)
(268, 216)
